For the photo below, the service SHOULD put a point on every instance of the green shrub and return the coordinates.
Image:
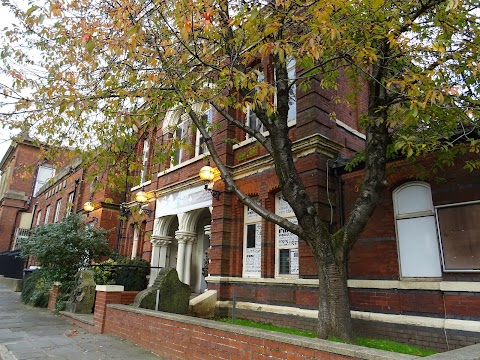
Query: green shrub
(36, 289)
(64, 248)
(132, 278)
(104, 275)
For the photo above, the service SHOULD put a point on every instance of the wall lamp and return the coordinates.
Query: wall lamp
(142, 197)
(209, 175)
(89, 206)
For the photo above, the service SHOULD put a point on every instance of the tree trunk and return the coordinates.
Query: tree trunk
(334, 317)
(339, 303)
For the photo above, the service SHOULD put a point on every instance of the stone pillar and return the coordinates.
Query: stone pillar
(160, 245)
(105, 294)
(206, 259)
(184, 258)
(53, 297)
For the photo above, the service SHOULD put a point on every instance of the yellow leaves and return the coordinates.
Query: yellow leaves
(56, 9)
(272, 28)
(434, 96)
(376, 4)
(452, 5)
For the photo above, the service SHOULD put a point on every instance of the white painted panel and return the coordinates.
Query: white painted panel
(418, 246)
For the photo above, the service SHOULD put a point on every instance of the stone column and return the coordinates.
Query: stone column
(206, 259)
(184, 258)
(159, 254)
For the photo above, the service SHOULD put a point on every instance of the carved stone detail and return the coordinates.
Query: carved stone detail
(161, 240)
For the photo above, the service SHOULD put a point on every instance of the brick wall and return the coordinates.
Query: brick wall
(172, 336)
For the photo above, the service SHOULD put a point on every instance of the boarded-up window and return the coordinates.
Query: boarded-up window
(459, 228)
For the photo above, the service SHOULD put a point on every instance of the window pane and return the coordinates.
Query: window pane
(418, 246)
(413, 198)
(284, 261)
(460, 235)
(251, 236)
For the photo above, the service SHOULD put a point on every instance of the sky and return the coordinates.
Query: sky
(6, 19)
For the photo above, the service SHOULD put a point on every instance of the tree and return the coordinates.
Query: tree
(109, 67)
(62, 249)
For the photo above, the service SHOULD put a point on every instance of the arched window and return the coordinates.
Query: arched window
(416, 231)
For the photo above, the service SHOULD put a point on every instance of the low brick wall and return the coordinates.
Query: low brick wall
(421, 336)
(174, 336)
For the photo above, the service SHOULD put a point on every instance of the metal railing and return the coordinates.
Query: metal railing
(20, 235)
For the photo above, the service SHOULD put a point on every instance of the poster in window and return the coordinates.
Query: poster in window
(294, 261)
(253, 252)
(283, 206)
(286, 238)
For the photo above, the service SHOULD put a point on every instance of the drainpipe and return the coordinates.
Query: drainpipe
(340, 212)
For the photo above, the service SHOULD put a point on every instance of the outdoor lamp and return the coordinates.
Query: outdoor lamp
(89, 206)
(209, 175)
(141, 196)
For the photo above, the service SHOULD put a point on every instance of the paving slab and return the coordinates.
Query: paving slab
(28, 333)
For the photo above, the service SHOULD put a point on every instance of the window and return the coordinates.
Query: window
(178, 137)
(206, 118)
(47, 214)
(57, 211)
(459, 231)
(252, 244)
(44, 173)
(416, 231)
(71, 198)
(286, 258)
(292, 110)
(143, 172)
(39, 217)
(252, 121)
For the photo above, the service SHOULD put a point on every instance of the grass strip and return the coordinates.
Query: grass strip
(380, 344)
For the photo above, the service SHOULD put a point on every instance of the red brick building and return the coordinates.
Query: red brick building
(23, 171)
(220, 244)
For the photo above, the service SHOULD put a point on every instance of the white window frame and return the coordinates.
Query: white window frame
(39, 218)
(290, 216)
(44, 173)
(200, 147)
(145, 153)
(252, 218)
(291, 66)
(423, 221)
(71, 198)
(57, 211)
(180, 126)
(47, 214)
(250, 112)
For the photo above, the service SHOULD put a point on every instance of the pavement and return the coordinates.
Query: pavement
(32, 333)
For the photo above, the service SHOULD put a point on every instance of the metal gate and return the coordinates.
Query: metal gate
(11, 264)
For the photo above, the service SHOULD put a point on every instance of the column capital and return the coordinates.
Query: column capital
(185, 237)
(208, 230)
(161, 240)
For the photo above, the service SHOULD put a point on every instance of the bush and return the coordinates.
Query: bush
(105, 275)
(64, 248)
(132, 278)
(36, 289)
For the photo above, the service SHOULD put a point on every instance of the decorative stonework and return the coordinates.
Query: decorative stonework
(160, 240)
(185, 237)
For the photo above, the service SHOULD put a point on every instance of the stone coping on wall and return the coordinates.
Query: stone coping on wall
(456, 286)
(425, 321)
(353, 351)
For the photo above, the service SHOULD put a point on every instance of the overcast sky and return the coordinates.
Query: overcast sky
(6, 19)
